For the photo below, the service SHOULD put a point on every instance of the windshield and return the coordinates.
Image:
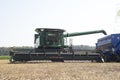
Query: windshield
(53, 38)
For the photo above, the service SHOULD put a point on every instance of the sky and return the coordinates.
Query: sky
(19, 19)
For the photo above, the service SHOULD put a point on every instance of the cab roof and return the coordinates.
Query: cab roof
(38, 30)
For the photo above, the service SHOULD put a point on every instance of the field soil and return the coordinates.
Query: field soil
(59, 71)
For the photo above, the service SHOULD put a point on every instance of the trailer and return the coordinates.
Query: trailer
(50, 45)
(109, 48)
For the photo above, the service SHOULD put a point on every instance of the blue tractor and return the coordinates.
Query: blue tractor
(109, 48)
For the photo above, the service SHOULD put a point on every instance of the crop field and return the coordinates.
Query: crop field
(59, 71)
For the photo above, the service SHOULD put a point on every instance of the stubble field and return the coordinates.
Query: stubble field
(59, 71)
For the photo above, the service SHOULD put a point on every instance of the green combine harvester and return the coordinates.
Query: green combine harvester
(50, 45)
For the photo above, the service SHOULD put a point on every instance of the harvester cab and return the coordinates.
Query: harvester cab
(48, 39)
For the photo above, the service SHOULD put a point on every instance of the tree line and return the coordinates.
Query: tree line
(6, 50)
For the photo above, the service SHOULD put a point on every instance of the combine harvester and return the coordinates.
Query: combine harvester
(50, 45)
(109, 48)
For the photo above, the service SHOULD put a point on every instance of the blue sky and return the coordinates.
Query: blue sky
(19, 18)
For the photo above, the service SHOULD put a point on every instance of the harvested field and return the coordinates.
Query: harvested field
(59, 71)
